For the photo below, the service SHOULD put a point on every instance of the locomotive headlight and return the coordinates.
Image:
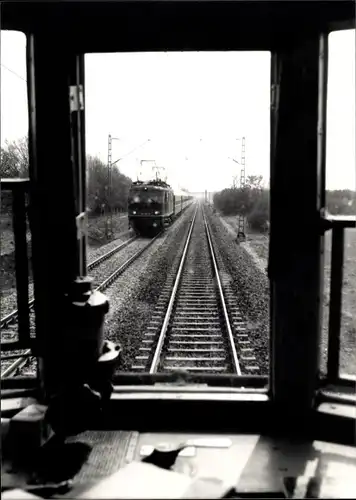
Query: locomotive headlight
(156, 212)
(134, 213)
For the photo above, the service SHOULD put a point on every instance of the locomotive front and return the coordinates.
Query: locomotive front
(147, 207)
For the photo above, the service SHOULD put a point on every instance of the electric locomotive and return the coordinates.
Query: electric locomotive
(151, 205)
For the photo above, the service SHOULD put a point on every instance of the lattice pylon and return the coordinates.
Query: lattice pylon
(109, 211)
(241, 220)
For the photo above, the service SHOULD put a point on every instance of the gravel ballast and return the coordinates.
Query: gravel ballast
(250, 285)
(106, 268)
(8, 279)
(95, 252)
(135, 293)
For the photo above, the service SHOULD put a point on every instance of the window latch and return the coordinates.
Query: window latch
(81, 223)
(76, 98)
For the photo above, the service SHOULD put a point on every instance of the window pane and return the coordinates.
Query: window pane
(13, 164)
(340, 187)
(199, 122)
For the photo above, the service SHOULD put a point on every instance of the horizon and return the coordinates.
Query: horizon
(167, 98)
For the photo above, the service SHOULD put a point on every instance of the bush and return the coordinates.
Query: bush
(251, 201)
(258, 219)
(341, 202)
(97, 199)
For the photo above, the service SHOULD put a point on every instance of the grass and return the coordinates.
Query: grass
(96, 238)
(348, 318)
(97, 232)
(257, 244)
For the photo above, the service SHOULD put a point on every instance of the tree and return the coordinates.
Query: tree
(341, 202)
(120, 189)
(14, 159)
(251, 201)
(254, 182)
(258, 217)
(97, 187)
(13, 163)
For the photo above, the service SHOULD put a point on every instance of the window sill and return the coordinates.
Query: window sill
(344, 411)
(189, 393)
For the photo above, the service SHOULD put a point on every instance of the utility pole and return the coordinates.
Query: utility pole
(241, 220)
(109, 227)
(109, 208)
(108, 191)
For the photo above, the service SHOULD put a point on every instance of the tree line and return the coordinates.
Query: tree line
(252, 201)
(341, 202)
(99, 197)
(14, 163)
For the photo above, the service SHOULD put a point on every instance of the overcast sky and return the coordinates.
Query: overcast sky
(194, 108)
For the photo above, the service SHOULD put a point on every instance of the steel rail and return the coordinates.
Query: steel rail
(235, 358)
(162, 335)
(20, 362)
(11, 317)
(107, 255)
(124, 266)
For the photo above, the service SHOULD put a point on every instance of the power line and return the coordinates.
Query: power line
(132, 150)
(14, 72)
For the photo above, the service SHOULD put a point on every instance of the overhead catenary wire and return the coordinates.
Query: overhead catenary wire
(13, 72)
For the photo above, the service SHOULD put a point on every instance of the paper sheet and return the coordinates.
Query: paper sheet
(141, 480)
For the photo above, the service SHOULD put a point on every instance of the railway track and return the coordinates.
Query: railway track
(12, 317)
(21, 359)
(9, 321)
(197, 325)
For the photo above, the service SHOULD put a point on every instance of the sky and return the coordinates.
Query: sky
(188, 111)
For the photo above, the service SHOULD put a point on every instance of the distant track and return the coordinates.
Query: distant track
(23, 358)
(12, 317)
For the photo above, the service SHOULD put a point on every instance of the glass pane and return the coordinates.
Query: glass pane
(348, 318)
(194, 126)
(13, 164)
(340, 188)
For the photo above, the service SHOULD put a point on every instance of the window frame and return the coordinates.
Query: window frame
(35, 34)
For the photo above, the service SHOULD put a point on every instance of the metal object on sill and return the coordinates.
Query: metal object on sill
(209, 442)
(45, 490)
(78, 406)
(77, 400)
(148, 449)
(165, 454)
(164, 458)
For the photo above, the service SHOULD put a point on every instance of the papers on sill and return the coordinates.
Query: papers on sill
(141, 480)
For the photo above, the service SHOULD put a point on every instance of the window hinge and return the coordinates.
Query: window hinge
(274, 96)
(76, 98)
(82, 225)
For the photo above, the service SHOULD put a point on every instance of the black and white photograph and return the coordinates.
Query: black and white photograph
(178, 249)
